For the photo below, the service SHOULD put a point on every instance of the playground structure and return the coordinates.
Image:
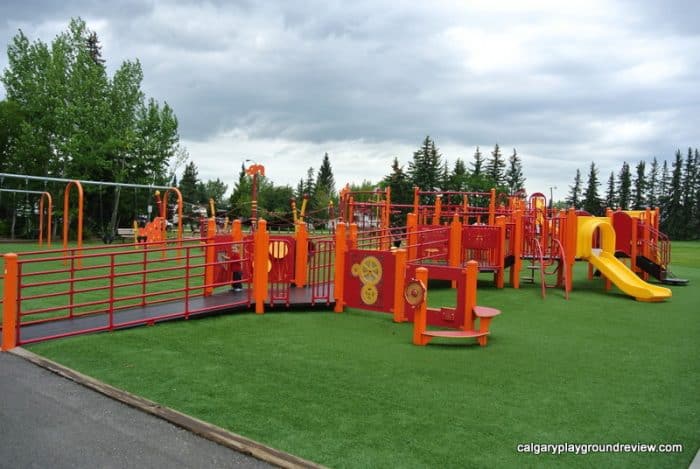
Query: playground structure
(516, 233)
(367, 263)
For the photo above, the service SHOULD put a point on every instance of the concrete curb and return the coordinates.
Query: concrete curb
(199, 427)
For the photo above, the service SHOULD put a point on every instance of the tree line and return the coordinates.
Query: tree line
(674, 188)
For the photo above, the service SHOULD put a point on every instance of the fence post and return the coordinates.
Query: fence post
(260, 266)
(209, 258)
(302, 256)
(340, 248)
(9, 310)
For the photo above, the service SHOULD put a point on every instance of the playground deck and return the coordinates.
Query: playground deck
(218, 303)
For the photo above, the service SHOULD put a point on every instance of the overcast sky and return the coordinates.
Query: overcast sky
(281, 83)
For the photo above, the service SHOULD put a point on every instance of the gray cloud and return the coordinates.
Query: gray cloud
(566, 84)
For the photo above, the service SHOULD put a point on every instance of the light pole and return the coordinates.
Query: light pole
(551, 196)
(253, 171)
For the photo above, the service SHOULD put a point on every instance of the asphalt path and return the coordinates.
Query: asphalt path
(50, 421)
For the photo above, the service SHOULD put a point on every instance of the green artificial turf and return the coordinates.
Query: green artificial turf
(349, 390)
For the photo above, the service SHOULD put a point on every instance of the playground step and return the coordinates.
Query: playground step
(486, 312)
(455, 334)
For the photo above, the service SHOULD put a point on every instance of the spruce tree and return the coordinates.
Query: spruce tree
(495, 166)
(640, 186)
(459, 176)
(325, 180)
(673, 222)
(653, 184)
(425, 168)
(574, 198)
(624, 187)
(690, 173)
(188, 183)
(478, 164)
(664, 183)
(591, 200)
(514, 175)
(610, 198)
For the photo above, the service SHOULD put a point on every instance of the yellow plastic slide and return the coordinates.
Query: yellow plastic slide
(626, 280)
(604, 260)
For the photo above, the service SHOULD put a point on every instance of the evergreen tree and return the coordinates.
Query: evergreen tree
(624, 187)
(664, 182)
(495, 166)
(424, 170)
(672, 221)
(324, 180)
(688, 197)
(640, 186)
(514, 175)
(459, 176)
(310, 184)
(401, 190)
(695, 225)
(188, 183)
(239, 202)
(610, 196)
(574, 198)
(591, 200)
(478, 164)
(653, 184)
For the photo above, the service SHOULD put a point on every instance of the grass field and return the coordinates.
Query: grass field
(349, 390)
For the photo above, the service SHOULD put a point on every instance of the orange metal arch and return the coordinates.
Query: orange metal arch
(48, 218)
(66, 215)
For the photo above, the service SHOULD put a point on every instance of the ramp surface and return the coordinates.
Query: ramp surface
(625, 279)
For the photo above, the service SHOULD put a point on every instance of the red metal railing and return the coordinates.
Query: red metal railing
(111, 288)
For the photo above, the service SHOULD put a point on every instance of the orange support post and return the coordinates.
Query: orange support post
(570, 242)
(386, 221)
(470, 273)
(517, 241)
(236, 231)
(438, 210)
(9, 310)
(454, 248)
(500, 274)
(261, 263)
(302, 256)
(339, 280)
(420, 320)
(66, 217)
(492, 208)
(633, 250)
(352, 243)
(48, 219)
(351, 210)
(416, 199)
(647, 233)
(399, 284)
(412, 228)
(454, 252)
(209, 258)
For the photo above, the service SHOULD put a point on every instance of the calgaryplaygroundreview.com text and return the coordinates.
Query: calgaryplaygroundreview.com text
(588, 448)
